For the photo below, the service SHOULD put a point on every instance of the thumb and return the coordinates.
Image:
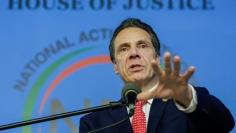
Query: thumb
(145, 95)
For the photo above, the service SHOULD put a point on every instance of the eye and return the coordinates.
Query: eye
(123, 49)
(143, 45)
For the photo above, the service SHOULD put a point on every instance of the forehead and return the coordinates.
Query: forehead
(131, 35)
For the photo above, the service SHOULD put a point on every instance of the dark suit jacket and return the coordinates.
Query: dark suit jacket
(211, 116)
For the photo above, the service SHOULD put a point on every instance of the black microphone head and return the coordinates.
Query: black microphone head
(129, 93)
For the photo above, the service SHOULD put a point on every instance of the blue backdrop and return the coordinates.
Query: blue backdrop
(54, 53)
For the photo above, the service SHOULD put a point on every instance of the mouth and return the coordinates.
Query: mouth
(135, 68)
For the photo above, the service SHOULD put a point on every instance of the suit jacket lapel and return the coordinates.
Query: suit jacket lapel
(119, 114)
(156, 113)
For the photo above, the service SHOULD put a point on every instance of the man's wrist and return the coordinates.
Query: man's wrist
(193, 104)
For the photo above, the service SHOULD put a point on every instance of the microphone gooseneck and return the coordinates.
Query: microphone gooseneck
(129, 95)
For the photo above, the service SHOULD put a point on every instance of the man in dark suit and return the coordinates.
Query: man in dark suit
(168, 103)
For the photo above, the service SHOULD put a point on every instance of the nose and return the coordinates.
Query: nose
(134, 53)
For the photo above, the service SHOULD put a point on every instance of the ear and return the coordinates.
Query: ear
(116, 69)
(159, 62)
(158, 59)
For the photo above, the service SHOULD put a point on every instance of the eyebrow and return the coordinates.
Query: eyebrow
(143, 41)
(123, 45)
(126, 44)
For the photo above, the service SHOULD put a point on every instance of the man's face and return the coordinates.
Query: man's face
(133, 55)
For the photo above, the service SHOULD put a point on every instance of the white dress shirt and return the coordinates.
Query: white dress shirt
(192, 106)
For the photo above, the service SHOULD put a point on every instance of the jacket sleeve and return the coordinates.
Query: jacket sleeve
(84, 126)
(211, 115)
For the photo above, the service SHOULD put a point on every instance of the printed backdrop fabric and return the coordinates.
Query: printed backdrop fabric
(54, 53)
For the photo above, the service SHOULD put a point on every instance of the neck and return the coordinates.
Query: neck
(148, 84)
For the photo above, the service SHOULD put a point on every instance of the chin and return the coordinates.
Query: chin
(138, 78)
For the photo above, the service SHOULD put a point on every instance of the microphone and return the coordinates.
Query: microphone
(129, 95)
(128, 98)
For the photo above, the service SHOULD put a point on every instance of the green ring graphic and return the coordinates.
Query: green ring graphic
(33, 94)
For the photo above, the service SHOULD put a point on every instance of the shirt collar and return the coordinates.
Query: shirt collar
(149, 101)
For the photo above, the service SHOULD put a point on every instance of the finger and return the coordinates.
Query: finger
(176, 65)
(189, 73)
(167, 57)
(150, 93)
(145, 95)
